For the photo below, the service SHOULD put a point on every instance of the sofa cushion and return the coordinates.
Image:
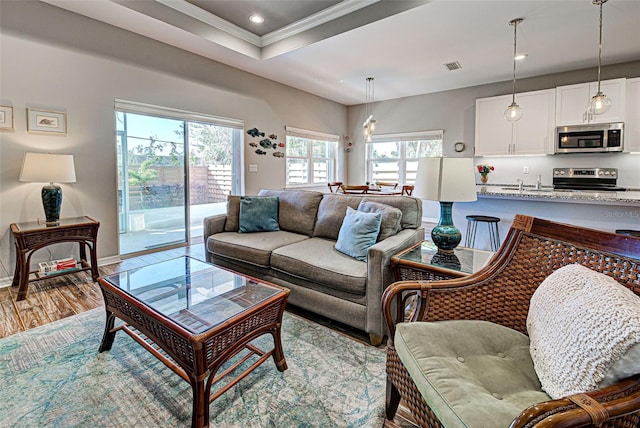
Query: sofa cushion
(317, 260)
(472, 373)
(253, 248)
(358, 232)
(258, 214)
(411, 208)
(391, 217)
(582, 322)
(331, 212)
(233, 214)
(297, 209)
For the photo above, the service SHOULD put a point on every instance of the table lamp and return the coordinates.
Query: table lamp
(446, 180)
(49, 168)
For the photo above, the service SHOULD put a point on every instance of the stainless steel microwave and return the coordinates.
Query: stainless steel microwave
(595, 138)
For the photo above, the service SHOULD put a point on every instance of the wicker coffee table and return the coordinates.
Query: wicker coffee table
(194, 317)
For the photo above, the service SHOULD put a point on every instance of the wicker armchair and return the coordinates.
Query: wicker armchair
(500, 293)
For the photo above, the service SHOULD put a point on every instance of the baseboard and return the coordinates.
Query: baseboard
(6, 281)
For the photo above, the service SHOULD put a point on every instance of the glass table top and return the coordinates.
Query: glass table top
(192, 293)
(463, 259)
(36, 225)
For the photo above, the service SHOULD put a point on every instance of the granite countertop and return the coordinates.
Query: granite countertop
(510, 191)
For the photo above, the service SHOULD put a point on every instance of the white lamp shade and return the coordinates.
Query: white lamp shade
(446, 180)
(48, 168)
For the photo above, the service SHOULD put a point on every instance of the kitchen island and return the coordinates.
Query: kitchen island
(607, 210)
(629, 197)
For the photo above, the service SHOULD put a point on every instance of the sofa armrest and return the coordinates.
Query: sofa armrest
(379, 274)
(213, 224)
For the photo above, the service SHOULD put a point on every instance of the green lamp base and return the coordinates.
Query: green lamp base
(446, 235)
(51, 202)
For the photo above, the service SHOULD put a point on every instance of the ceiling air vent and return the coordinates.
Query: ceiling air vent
(453, 66)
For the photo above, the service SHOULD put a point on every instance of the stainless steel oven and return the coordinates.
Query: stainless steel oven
(605, 137)
(592, 179)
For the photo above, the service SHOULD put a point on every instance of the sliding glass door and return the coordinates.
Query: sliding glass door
(215, 163)
(152, 182)
(172, 173)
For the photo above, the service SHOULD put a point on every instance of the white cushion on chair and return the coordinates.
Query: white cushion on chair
(580, 323)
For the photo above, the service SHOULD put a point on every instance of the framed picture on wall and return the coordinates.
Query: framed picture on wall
(6, 118)
(46, 122)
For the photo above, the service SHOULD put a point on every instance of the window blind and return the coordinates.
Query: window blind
(172, 113)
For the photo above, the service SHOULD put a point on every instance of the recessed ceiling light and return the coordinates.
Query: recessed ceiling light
(521, 56)
(256, 19)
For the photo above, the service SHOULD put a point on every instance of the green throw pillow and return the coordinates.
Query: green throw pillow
(258, 214)
(358, 232)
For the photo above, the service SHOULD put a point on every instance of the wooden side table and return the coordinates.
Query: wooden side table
(422, 262)
(31, 236)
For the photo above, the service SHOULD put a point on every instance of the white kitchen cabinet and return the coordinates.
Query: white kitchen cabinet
(632, 124)
(572, 102)
(531, 135)
(494, 134)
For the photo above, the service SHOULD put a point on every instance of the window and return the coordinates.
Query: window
(394, 157)
(311, 157)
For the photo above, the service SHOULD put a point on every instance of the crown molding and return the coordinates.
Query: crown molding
(195, 12)
(322, 17)
(334, 12)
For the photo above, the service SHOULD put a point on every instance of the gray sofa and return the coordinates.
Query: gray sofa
(301, 255)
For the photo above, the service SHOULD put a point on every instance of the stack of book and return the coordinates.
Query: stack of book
(57, 266)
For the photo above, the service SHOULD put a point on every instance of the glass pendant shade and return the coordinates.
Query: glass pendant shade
(513, 113)
(599, 104)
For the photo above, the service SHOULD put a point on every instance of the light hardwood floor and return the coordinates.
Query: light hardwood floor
(68, 295)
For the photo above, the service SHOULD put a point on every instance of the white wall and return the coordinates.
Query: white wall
(56, 60)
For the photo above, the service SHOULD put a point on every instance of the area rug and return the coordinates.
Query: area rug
(53, 376)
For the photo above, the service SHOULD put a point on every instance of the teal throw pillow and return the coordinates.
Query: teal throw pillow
(358, 232)
(258, 214)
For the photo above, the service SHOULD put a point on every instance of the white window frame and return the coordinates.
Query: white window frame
(401, 139)
(332, 159)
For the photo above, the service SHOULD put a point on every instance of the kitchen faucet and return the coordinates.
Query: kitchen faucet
(539, 182)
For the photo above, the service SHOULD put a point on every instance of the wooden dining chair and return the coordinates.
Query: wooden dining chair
(335, 184)
(407, 189)
(387, 184)
(354, 189)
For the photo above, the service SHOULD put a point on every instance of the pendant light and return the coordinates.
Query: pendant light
(369, 124)
(599, 103)
(513, 113)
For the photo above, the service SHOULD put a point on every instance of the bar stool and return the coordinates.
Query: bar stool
(472, 226)
(628, 232)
